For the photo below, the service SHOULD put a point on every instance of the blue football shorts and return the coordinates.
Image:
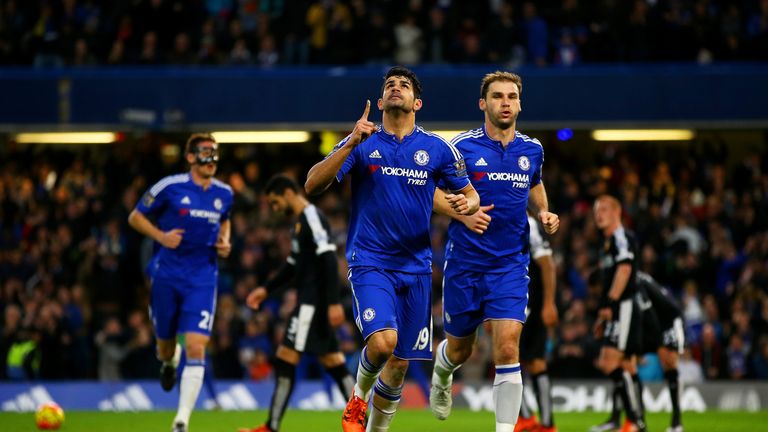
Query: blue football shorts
(178, 306)
(386, 299)
(471, 297)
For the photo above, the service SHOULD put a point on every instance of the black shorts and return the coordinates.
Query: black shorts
(662, 333)
(309, 331)
(624, 331)
(533, 341)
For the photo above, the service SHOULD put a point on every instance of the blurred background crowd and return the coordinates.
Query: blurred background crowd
(73, 293)
(54, 33)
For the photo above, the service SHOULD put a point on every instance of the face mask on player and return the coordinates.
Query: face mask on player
(206, 155)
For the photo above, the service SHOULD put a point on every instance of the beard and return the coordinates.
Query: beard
(397, 106)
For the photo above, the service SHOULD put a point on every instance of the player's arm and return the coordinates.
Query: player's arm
(284, 275)
(330, 284)
(223, 246)
(465, 202)
(539, 205)
(169, 239)
(548, 281)
(477, 222)
(620, 281)
(320, 176)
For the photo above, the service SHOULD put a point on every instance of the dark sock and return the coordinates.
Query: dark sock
(543, 389)
(617, 406)
(285, 377)
(639, 388)
(343, 379)
(673, 382)
(525, 409)
(621, 386)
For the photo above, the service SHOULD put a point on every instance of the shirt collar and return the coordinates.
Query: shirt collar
(488, 137)
(416, 128)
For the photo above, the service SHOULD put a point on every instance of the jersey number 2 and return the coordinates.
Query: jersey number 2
(206, 322)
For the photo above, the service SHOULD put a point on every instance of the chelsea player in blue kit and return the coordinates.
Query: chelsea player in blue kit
(486, 275)
(192, 227)
(394, 171)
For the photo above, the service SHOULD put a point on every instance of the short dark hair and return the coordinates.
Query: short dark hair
(490, 78)
(196, 139)
(407, 73)
(279, 183)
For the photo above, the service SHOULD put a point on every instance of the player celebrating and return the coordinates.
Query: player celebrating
(394, 170)
(542, 314)
(618, 318)
(192, 226)
(486, 275)
(313, 262)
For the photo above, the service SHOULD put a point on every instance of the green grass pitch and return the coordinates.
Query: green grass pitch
(322, 421)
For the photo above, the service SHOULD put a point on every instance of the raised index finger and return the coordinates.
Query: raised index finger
(367, 110)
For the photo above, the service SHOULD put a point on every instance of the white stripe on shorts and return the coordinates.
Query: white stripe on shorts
(677, 324)
(354, 299)
(625, 323)
(306, 312)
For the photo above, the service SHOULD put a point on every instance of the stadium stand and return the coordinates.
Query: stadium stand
(84, 33)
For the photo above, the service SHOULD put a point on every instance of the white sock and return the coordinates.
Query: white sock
(384, 406)
(174, 361)
(367, 373)
(177, 356)
(442, 374)
(507, 396)
(191, 381)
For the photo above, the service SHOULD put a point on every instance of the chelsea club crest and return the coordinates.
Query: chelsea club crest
(524, 163)
(217, 204)
(421, 157)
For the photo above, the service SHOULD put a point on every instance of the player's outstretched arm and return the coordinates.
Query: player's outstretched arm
(169, 239)
(324, 172)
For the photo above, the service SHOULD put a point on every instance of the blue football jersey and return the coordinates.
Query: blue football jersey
(177, 202)
(502, 177)
(393, 184)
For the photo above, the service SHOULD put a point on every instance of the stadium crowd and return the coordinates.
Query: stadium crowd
(54, 33)
(73, 292)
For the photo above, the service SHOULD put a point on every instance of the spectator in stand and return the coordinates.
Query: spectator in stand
(709, 353)
(334, 31)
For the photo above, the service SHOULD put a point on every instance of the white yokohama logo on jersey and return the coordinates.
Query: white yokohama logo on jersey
(521, 181)
(212, 216)
(415, 177)
(504, 176)
(404, 172)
